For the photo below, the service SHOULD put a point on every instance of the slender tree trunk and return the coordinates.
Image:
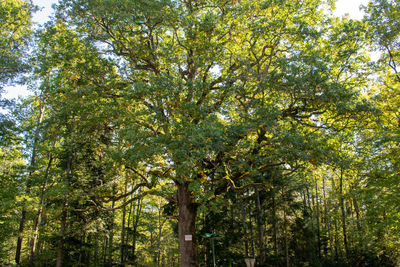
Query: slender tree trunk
(87, 253)
(341, 199)
(311, 209)
(318, 222)
(96, 252)
(187, 227)
(123, 228)
(246, 244)
(111, 237)
(154, 255)
(357, 209)
(39, 214)
(274, 224)
(327, 220)
(135, 226)
(260, 226)
(336, 242)
(160, 226)
(28, 186)
(20, 235)
(126, 252)
(285, 232)
(60, 249)
(105, 249)
(252, 253)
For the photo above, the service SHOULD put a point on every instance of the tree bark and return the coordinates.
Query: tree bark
(20, 236)
(187, 227)
(39, 214)
(260, 226)
(357, 209)
(285, 226)
(134, 228)
(126, 251)
(318, 221)
(327, 220)
(246, 244)
(60, 249)
(160, 227)
(341, 199)
(274, 225)
(111, 237)
(251, 233)
(123, 228)
(28, 186)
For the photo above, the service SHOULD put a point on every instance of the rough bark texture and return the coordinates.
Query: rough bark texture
(187, 226)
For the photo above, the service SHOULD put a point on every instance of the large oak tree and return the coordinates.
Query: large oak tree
(222, 91)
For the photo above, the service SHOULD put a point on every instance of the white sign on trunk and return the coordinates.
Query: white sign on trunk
(188, 237)
(250, 262)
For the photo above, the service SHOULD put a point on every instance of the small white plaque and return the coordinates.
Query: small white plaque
(250, 262)
(188, 237)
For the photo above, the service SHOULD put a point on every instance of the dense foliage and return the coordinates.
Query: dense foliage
(166, 133)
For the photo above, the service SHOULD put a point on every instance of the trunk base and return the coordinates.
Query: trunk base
(187, 227)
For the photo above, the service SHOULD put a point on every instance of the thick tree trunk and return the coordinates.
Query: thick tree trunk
(187, 227)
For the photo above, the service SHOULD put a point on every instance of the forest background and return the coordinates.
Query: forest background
(166, 133)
